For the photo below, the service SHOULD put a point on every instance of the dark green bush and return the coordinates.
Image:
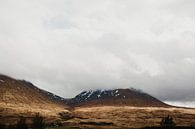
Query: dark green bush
(38, 122)
(21, 124)
(2, 126)
(11, 126)
(167, 122)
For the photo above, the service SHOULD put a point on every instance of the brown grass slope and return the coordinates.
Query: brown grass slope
(20, 98)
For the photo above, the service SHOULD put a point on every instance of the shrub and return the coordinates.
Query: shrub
(2, 126)
(38, 122)
(21, 124)
(11, 127)
(167, 122)
(66, 115)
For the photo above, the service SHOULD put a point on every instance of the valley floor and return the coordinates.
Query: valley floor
(181, 127)
(130, 117)
(64, 128)
(111, 117)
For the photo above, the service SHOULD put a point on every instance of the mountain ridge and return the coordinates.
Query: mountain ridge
(113, 97)
(117, 97)
(52, 96)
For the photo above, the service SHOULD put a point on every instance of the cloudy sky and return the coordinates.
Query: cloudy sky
(66, 46)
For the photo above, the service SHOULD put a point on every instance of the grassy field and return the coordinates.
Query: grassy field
(142, 128)
(64, 128)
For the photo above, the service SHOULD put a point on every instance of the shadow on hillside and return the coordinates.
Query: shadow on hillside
(37, 123)
(177, 127)
(168, 123)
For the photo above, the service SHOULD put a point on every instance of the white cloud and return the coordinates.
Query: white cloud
(145, 64)
(75, 45)
(181, 104)
(189, 60)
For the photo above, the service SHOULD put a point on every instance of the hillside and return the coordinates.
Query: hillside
(118, 108)
(116, 97)
(19, 97)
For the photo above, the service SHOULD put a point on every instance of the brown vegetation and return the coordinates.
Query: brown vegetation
(20, 99)
(133, 117)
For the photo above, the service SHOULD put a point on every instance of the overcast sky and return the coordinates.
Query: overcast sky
(66, 46)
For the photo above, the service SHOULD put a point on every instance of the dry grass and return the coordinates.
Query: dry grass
(20, 98)
(11, 113)
(134, 117)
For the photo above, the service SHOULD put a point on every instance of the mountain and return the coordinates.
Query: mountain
(21, 93)
(19, 97)
(117, 108)
(49, 95)
(116, 97)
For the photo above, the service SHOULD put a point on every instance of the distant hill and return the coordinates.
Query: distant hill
(116, 97)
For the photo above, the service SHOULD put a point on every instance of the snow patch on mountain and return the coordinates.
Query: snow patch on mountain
(99, 94)
(132, 97)
(2, 80)
(117, 95)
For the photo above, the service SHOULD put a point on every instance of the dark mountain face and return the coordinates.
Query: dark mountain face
(116, 97)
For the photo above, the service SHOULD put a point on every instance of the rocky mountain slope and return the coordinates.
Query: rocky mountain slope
(116, 97)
